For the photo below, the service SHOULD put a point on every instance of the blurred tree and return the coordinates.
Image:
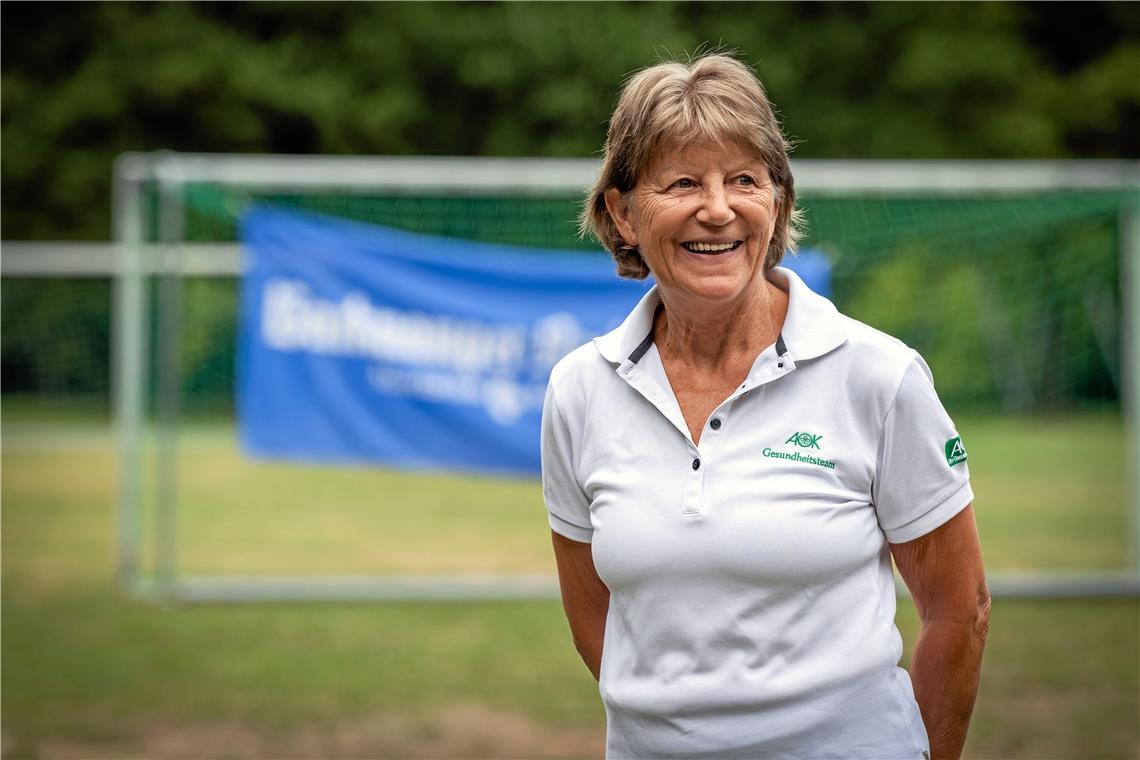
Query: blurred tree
(83, 82)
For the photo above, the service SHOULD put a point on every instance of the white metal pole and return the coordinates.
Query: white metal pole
(129, 347)
(171, 219)
(471, 175)
(1130, 366)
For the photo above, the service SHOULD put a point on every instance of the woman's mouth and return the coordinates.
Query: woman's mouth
(712, 249)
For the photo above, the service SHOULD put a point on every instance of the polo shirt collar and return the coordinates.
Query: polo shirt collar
(627, 338)
(812, 327)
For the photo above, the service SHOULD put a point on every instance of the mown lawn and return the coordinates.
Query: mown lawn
(87, 672)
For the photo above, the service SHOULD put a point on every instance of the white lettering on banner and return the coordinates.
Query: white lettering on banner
(294, 320)
(432, 386)
(453, 361)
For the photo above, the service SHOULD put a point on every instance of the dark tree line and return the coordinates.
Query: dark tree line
(83, 82)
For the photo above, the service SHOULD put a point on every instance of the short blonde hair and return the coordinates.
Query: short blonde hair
(713, 98)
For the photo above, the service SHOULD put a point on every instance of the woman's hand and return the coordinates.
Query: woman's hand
(584, 597)
(944, 573)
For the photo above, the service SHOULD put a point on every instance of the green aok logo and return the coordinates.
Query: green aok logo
(804, 440)
(955, 451)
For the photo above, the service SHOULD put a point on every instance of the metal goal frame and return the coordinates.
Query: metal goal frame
(143, 266)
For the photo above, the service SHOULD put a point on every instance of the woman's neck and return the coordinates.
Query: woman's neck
(718, 336)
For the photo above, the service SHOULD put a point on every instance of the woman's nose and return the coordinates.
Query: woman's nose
(715, 209)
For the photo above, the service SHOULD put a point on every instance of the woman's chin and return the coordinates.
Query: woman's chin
(716, 288)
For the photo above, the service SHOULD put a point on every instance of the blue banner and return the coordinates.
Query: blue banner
(366, 344)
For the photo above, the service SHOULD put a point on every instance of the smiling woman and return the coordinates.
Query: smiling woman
(668, 109)
(729, 473)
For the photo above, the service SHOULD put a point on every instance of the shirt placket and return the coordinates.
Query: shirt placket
(717, 426)
(639, 380)
(700, 455)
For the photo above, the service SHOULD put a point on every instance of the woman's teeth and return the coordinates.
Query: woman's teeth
(711, 247)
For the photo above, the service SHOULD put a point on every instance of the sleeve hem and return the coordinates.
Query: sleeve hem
(932, 518)
(570, 530)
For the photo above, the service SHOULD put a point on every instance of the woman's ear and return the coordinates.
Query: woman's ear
(618, 207)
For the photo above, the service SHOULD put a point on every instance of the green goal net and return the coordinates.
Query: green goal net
(1014, 299)
(1016, 282)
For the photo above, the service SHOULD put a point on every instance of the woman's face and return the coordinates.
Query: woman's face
(702, 217)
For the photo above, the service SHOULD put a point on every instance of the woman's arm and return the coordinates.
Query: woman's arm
(584, 597)
(944, 573)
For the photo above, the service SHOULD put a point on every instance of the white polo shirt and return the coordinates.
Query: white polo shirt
(752, 601)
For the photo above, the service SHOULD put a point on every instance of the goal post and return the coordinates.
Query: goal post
(175, 222)
(1130, 367)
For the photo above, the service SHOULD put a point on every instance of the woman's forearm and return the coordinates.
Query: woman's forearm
(947, 582)
(589, 646)
(945, 669)
(584, 597)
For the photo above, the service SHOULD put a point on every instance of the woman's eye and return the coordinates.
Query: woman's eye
(746, 180)
(685, 184)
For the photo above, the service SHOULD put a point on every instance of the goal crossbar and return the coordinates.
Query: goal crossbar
(468, 175)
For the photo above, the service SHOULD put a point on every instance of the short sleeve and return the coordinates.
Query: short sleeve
(566, 502)
(921, 478)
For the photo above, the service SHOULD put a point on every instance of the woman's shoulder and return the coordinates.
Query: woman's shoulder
(875, 356)
(874, 342)
(580, 368)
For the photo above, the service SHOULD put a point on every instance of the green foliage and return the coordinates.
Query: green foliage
(56, 337)
(208, 335)
(855, 80)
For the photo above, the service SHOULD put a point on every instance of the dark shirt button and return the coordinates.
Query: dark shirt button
(696, 464)
(715, 424)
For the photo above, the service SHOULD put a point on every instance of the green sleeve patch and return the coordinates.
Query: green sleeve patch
(955, 451)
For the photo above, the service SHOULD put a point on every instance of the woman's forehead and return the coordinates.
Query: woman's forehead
(702, 154)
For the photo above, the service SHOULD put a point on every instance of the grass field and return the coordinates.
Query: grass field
(89, 673)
